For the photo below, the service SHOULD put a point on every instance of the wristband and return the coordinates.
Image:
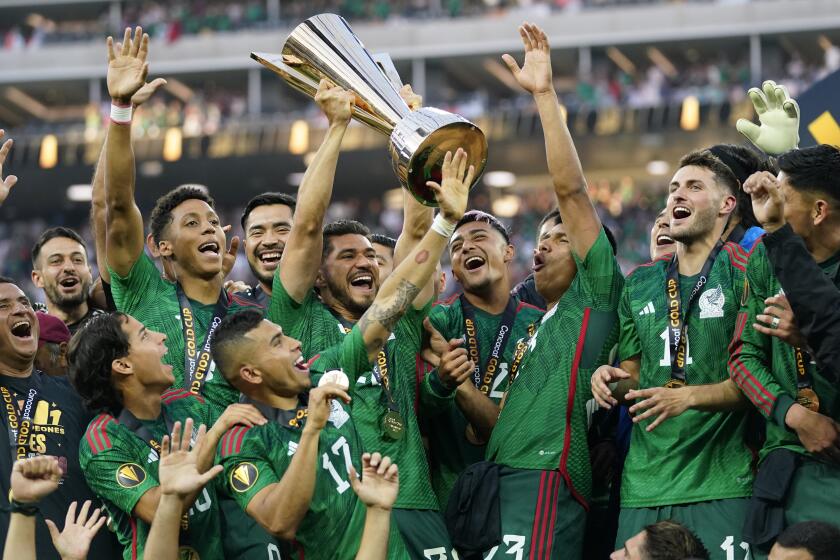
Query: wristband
(28, 510)
(120, 114)
(443, 227)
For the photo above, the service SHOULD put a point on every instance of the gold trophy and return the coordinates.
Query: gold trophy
(324, 46)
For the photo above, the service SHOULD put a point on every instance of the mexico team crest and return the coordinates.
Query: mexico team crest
(243, 477)
(130, 475)
(711, 303)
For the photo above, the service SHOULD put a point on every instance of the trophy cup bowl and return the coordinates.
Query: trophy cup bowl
(324, 46)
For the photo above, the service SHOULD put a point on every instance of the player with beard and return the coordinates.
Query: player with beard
(540, 438)
(776, 372)
(661, 242)
(318, 302)
(384, 247)
(293, 497)
(266, 223)
(688, 460)
(190, 303)
(485, 325)
(60, 268)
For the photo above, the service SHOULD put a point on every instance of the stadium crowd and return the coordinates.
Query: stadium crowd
(336, 404)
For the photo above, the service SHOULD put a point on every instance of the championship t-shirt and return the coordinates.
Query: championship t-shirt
(765, 367)
(148, 297)
(120, 466)
(257, 457)
(313, 324)
(57, 422)
(696, 456)
(452, 445)
(543, 424)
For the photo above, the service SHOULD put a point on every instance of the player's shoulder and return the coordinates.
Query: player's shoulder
(736, 255)
(236, 438)
(239, 301)
(178, 397)
(650, 269)
(527, 310)
(100, 434)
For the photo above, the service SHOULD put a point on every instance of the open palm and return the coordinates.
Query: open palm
(778, 114)
(127, 69)
(535, 74)
(178, 471)
(7, 183)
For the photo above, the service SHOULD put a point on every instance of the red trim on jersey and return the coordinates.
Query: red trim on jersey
(526, 304)
(242, 301)
(537, 514)
(300, 550)
(545, 514)
(97, 435)
(742, 374)
(312, 360)
(450, 300)
(665, 257)
(173, 395)
(236, 441)
(133, 524)
(734, 259)
(567, 440)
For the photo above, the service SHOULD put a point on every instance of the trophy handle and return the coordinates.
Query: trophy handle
(305, 84)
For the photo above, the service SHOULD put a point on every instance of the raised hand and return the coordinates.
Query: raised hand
(335, 102)
(229, 258)
(9, 182)
(34, 478)
(413, 100)
(380, 482)
(127, 69)
(74, 541)
(779, 117)
(768, 200)
(535, 74)
(454, 189)
(178, 471)
(319, 405)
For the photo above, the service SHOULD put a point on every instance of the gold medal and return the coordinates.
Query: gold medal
(393, 426)
(472, 437)
(808, 398)
(674, 383)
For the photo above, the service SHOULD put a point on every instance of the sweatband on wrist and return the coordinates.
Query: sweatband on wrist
(442, 226)
(28, 510)
(121, 114)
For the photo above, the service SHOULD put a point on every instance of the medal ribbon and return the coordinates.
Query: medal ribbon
(197, 360)
(19, 423)
(127, 419)
(521, 348)
(381, 371)
(484, 380)
(677, 316)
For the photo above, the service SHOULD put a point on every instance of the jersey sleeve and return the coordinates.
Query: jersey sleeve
(350, 355)
(629, 343)
(750, 350)
(410, 328)
(248, 467)
(599, 274)
(133, 290)
(285, 311)
(116, 474)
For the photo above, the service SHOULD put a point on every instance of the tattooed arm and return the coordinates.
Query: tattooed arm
(414, 272)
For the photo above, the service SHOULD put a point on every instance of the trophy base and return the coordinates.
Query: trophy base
(420, 141)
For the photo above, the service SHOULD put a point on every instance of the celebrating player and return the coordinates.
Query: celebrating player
(677, 317)
(291, 474)
(775, 371)
(485, 324)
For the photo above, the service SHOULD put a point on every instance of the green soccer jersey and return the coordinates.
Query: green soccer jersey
(148, 297)
(314, 325)
(120, 467)
(451, 449)
(543, 424)
(255, 458)
(765, 367)
(697, 456)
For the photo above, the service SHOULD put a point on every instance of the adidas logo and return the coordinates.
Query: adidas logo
(648, 309)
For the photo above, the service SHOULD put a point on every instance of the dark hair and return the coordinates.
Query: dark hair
(343, 227)
(743, 162)
(668, 540)
(555, 215)
(266, 199)
(52, 233)
(489, 219)
(89, 356)
(707, 160)
(229, 335)
(814, 169)
(7, 280)
(162, 212)
(817, 537)
(384, 240)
